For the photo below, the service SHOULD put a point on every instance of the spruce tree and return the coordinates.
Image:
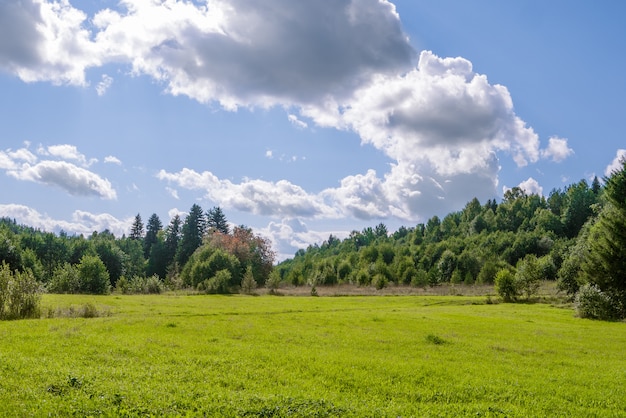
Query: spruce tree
(216, 220)
(152, 231)
(192, 232)
(605, 264)
(172, 238)
(136, 231)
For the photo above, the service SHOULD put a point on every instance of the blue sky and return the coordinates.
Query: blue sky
(300, 119)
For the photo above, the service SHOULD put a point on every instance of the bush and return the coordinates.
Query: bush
(273, 281)
(506, 286)
(379, 281)
(592, 303)
(217, 284)
(20, 294)
(528, 276)
(94, 277)
(65, 279)
(248, 284)
(140, 285)
(420, 279)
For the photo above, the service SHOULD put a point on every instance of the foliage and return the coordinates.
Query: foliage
(20, 294)
(218, 284)
(140, 285)
(506, 285)
(152, 232)
(66, 279)
(605, 263)
(528, 276)
(192, 231)
(248, 284)
(593, 303)
(94, 277)
(216, 220)
(273, 282)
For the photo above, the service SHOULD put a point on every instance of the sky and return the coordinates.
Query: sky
(301, 119)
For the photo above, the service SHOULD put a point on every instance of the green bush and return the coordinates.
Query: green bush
(506, 286)
(379, 281)
(217, 284)
(248, 284)
(65, 279)
(94, 277)
(420, 279)
(273, 281)
(528, 276)
(592, 303)
(140, 285)
(20, 294)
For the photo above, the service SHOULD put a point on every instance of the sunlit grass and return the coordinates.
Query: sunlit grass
(307, 356)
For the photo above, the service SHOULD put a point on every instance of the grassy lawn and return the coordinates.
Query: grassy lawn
(306, 356)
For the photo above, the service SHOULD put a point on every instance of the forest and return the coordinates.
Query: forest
(575, 236)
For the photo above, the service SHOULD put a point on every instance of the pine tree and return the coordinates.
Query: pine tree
(152, 231)
(172, 238)
(605, 265)
(136, 231)
(192, 232)
(216, 220)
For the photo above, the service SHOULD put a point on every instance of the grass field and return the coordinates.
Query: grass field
(374, 356)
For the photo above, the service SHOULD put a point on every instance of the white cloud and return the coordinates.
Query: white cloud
(557, 150)
(172, 192)
(69, 152)
(531, 186)
(297, 122)
(340, 63)
(82, 222)
(73, 179)
(45, 41)
(110, 159)
(24, 165)
(617, 162)
(292, 234)
(278, 199)
(104, 84)
(269, 154)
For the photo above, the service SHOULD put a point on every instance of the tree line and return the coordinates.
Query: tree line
(575, 236)
(185, 253)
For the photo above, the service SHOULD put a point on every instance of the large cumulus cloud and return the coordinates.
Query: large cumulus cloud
(344, 64)
(24, 165)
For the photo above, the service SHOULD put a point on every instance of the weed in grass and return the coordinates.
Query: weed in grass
(435, 339)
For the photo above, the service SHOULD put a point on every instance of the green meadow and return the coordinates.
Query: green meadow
(275, 356)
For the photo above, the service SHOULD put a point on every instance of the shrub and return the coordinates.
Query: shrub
(379, 281)
(20, 294)
(420, 279)
(592, 303)
(505, 285)
(273, 281)
(140, 285)
(248, 284)
(218, 283)
(94, 277)
(528, 276)
(65, 279)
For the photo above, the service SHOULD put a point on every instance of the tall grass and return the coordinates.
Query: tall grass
(168, 355)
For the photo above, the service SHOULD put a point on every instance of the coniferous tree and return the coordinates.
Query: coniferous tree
(172, 238)
(152, 230)
(192, 232)
(136, 231)
(605, 264)
(216, 220)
